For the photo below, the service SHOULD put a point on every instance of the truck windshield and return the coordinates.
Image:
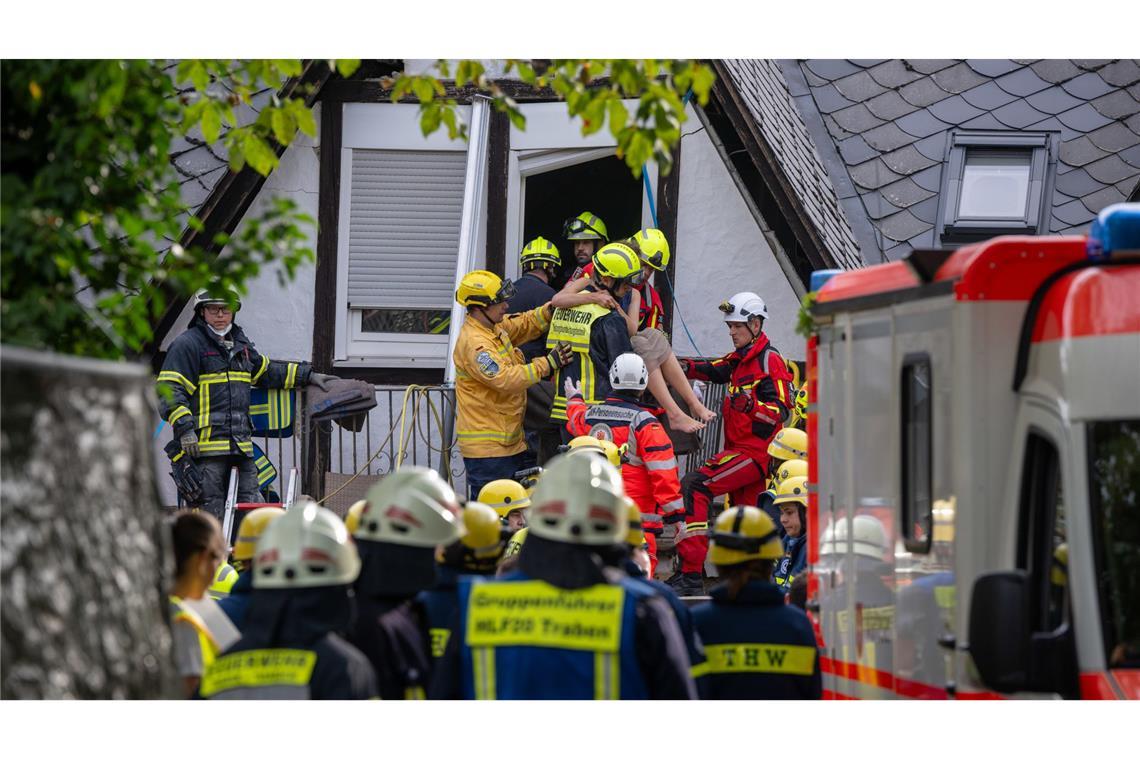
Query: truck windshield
(1114, 498)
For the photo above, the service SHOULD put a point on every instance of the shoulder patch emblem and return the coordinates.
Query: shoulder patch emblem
(487, 364)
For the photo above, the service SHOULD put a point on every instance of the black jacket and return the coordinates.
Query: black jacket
(530, 293)
(209, 386)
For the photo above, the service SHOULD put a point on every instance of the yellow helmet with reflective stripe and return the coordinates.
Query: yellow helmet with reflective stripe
(618, 261)
(742, 534)
(515, 543)
(224, 580)
(483, 537)
(789, 443)
(794, 489)
(539, 251)
(588, 443)
(504, 496)
(793, 468)
(483, 288)
(652, 247)
(585, 226)
(251, 528)
(352, 519)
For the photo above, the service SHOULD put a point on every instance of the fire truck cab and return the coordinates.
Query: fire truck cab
(974, 525)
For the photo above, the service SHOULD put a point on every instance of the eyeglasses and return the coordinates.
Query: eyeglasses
(217, 310)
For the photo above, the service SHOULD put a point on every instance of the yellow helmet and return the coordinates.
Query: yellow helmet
(224, 580)
(483, 288)
(802, 401)
(585, 226)
(504, 496)
(792, 468)
(794, 489)
(618, 261)
(789, 443)
(352, 518)
(742, 534)
(652, 247)
(1059, 574)
(589, 443)
(537, 252)
(484, 531)
(251, 528)
(515, 542)
(636, 536)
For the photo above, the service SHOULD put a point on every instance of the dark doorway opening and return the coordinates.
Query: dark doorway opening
(604, 187)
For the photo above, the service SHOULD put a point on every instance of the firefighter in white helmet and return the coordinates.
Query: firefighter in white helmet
(302, 598)
(564, 626)
(407, 516)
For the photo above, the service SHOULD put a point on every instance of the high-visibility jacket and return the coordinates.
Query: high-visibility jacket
(756, 646)
(650, 470)
(527, 639)
(491, 378)
(598, 336)
(759, 371)
(180, 613)
(209, 387)
(792, 563)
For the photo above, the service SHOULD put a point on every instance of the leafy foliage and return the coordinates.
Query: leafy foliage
(593, 91)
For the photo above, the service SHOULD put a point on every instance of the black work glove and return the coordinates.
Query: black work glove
(187, 479)
(560, 355)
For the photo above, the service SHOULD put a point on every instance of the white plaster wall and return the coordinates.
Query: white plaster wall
(721, 251)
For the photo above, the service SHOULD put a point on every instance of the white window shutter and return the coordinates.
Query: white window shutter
(403, 232)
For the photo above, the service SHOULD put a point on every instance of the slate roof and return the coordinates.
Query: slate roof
(889, 121)
(764, 90)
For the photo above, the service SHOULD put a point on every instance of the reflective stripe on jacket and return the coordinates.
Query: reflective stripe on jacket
(491, 378)
(598, 336)
(209, 387)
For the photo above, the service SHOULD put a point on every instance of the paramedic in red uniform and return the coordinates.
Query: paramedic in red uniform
(758, 402)
(649, 472)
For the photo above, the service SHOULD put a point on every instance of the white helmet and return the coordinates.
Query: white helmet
(869, 538)
(743, 306)
(308, 546)
(579, 501)
(413, 506)
(628, 373)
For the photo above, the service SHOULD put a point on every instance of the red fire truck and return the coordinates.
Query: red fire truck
(974, 528)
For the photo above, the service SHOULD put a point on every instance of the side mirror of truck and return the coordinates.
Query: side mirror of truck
(999, 630)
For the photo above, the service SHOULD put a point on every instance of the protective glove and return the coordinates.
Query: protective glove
(189, 442)
(742, 402)
(573, 389)
(560, 355)
(187, 479)
(321, 381)
(686, 366)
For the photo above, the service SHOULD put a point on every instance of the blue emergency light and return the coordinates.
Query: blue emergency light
(1115, 232)
(820, 277)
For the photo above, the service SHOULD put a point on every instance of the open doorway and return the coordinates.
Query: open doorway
(603, 186)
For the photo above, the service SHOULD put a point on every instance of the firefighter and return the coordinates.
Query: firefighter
(591, 445)
(407, 515)
(597, 334)
(791, 468)
(791, 500)
(204, 395)
(291, 647)
(509, 500)
(492, 377)
(200, 631)
(510, 559)
(564, 626)
(755, 407)
(650, 470)
(236, 605)
(757, 647)
(540, 262)
(477, 553)
(586, 233)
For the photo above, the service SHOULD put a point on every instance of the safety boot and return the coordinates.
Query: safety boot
(687, 584)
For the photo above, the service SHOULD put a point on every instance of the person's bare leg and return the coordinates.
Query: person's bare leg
(678, 420)
(675, 377)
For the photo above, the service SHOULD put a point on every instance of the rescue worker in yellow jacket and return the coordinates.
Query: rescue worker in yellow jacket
(491, 377)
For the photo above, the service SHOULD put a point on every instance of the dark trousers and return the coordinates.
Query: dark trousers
(215, 473)
(482, 470)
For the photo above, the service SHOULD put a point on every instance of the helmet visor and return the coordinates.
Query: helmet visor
(577, 226)
(505, 292)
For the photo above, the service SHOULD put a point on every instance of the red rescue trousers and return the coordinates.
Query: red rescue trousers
(732, 472)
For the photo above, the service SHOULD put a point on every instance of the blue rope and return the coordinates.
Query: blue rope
(653, 216)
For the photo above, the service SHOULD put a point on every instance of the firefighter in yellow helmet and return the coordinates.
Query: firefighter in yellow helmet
(590, 444)
(564, 626)
(757, 647)
(291, 647)
(236, 605)
(492, 377)
(789, 468)
(509, 500)
(586, 233)
(791, 500)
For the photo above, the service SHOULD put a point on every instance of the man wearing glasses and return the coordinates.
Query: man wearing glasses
(204, 395)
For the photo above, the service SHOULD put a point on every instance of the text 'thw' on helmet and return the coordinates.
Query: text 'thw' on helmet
(580, 501)
(538, 252)
(618, 261)
(743, 307)
(412, 506)
(252, 526)
(742, 534)
(504, 496)
(628, 373)
(585, 226)
(307, 547)
(483, 288)
(652, 247)
(789, 443)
